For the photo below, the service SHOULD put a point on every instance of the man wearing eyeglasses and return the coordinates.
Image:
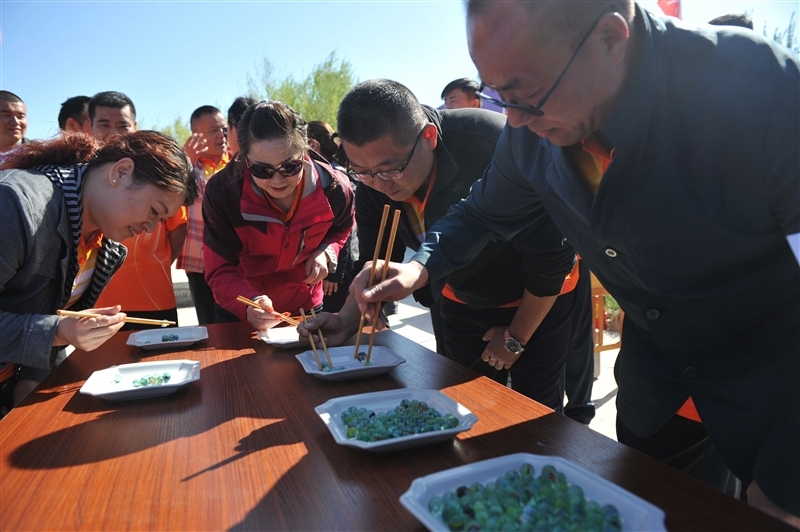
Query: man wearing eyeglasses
(207, 148)
(668, 156)
(504, 309)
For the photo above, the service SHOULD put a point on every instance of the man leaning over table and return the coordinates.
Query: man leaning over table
(668, 155)
(500, 314)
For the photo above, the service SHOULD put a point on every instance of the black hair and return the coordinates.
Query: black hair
(73, 108)
(113, 99)
(200, 112)
(379, 107)
(733, 19)
(467, 85)
(10, 97)
(237, 109)
(269, 121)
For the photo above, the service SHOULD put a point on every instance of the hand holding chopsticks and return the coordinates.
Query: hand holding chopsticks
(389, 248)
(274, 315)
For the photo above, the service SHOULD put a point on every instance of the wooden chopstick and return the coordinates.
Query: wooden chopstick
(375, 256)
(251, 303)
(311, 339)
(128, 319)
(321, 340)
(392, 234)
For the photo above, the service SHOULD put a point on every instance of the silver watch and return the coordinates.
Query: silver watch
(512, 344)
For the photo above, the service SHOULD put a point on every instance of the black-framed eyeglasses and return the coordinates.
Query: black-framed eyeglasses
(366, 177)
(288, 168)
(536, 110)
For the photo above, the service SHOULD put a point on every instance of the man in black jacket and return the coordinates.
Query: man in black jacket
(422, 161)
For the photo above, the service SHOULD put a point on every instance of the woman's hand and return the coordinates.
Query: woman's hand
(89, 333)
(316, 267)
(329, 288)
(496, 354)
(335, 330)
(263, 318)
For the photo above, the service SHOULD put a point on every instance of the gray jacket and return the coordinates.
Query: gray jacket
(37, 264)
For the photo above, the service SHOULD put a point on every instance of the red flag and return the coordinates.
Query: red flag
(670, 7)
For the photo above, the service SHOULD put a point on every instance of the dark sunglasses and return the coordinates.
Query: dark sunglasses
(287, 168)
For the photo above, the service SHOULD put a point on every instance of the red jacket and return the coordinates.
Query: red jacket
(248, 251)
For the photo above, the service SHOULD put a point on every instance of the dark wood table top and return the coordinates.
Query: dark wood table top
(243, 448)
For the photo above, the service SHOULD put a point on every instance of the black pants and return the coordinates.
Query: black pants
(169, 314)
(580, 359)
(539, 372)
(684, 445)
(203, 298)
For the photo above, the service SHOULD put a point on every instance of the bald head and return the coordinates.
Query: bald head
(566, 59)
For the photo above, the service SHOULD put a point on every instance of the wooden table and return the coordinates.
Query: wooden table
(243, 449)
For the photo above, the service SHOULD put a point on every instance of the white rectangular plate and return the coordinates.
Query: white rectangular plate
(152, 338)
(381, 361)
(331, 411)
(102, 383)
(636, 513)
(282, 336)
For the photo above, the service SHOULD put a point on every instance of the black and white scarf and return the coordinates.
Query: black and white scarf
(110, 255)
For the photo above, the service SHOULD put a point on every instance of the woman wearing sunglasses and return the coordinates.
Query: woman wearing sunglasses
(275, 220)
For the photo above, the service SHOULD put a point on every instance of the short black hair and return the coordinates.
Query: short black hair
(379, 107)
(113, 99)
(469, 86)
(200, 112)
(733, 19)
(10, 97)
(73, 108)
(237, 109)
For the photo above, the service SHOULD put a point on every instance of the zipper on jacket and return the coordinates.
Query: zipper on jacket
(301, 247)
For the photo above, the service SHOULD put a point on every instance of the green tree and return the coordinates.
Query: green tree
(179, 130)
(315, 97)
(787, 37)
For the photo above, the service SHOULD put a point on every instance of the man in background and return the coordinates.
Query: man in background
(460, 93)
(143, 284)
(111, 113)
(207, 148)
(74, 115)
(13, 123)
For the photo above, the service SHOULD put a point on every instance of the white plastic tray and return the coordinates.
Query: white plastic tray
(282, 336)
(103, 383)
(636, 513)
(151, 338)
(331, 411)
(381, 361)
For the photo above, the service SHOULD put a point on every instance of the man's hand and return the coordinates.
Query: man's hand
(335, 330)
(401, 280)
(89, 333)
(316, 267)
(263, 318)
(195, 146)
(496, 354)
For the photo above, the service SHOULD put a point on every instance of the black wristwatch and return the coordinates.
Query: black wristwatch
(512, 344)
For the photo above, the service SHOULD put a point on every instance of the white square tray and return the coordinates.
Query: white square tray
(381, 361)
(102, 383)
(151, 338)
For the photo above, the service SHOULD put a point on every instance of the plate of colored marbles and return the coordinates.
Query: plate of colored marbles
(526, 492)
(345, 366)
(169, 338)
(143, 379)
(394, 419)
(282, 336)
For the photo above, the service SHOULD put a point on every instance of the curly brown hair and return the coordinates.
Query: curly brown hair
(157, 158)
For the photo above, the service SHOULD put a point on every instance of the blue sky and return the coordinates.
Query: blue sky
(171, 57)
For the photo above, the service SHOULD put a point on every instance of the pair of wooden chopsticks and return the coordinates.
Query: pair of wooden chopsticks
(292, 321)
(142, 321)
(375, 255)
(250, 303)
